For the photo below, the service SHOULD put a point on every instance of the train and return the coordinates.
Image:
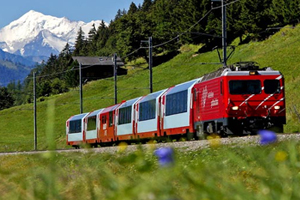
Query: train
(239, 99)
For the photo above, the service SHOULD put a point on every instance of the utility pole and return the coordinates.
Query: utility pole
(80, 89)
(149, 41)
(34, 111)
(150, 64)
(115, 77)
(224, 33)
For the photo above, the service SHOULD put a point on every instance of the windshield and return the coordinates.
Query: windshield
(272, 86)
(244, 87)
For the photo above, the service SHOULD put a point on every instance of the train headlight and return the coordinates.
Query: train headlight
(276, 107)
(234, 108)
(253, 72)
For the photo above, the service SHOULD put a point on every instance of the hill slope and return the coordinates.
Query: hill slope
(280, 51)
(13, 67)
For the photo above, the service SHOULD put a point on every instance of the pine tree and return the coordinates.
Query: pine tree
(118, 15)
(285, 12)
(103, 35)
(132, 9)
(146, 5)
(6, 99)
(91, 42)
(79, 43)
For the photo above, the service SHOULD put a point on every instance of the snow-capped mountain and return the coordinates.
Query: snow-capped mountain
(36, 34)
(31, 39)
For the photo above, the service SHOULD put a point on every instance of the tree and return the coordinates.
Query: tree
(189, 13)
(284, 12)
(103, 35)
(118, 15)
(72, 76)
(165, 27)
(255, 16)
(15, 89)
(80, 44)
(44, 88)
(6, 99)
(92, 38)
(132, 9)
(64, 60)
(146, 5)
(58, 86)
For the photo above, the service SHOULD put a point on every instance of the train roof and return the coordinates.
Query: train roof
(96, 112)
(129, 102)
(153, 95)
(111, 108)
(183, 86)
(240, 69)
(78, 117)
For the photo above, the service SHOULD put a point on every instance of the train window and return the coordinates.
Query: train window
(111, 118)
(91, 125)
(176, 103)
(75, 126)
(221, 87)
(147, 110)
(125, 115)
(272, 86)
(244, 87)
(103, 119)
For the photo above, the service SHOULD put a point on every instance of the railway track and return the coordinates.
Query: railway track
(181, 145)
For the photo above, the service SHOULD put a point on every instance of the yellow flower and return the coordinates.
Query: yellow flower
(122, 146)
(214, 140)
(281, 156)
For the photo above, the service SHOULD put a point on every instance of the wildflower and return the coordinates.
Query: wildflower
(281, 156)
(267, 137)
(122, 146)
(165, 156)
(214, 140)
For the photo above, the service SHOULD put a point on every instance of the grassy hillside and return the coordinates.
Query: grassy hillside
(280, 51)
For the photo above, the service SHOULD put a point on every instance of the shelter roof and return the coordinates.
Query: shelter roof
(88, 60)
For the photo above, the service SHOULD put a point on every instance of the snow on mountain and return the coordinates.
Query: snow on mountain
(36, 34)
(43, 44)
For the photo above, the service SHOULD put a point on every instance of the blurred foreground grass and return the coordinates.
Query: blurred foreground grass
(219, 172)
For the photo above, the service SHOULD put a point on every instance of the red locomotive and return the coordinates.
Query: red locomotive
(234, 100)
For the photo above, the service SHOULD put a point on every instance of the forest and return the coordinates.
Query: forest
(170, 23)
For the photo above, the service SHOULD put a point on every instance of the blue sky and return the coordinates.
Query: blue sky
(75, 10)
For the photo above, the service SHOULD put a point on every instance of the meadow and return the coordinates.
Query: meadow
(218, 172)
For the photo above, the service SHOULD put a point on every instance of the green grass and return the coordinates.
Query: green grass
(280, 51)
(217, 172)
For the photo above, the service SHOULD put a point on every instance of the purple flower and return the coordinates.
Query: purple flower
(165, 156)
(267, 137)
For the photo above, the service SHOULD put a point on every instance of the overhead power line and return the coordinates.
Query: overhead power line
(187, 31)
